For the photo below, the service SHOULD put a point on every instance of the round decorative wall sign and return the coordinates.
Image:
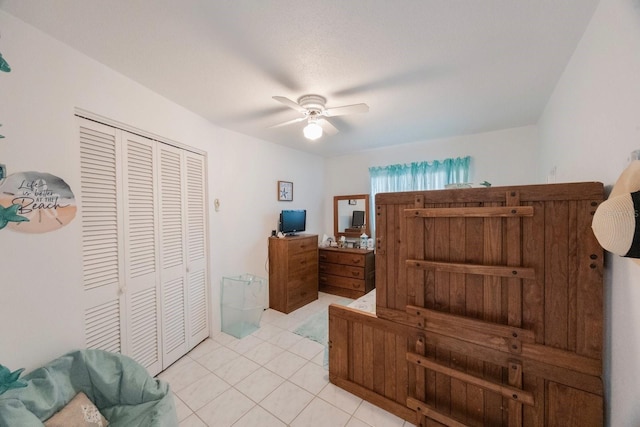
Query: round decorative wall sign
(35, 202)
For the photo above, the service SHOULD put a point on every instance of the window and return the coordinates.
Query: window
(417, 176)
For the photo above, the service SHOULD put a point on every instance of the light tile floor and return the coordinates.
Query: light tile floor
(271, 378)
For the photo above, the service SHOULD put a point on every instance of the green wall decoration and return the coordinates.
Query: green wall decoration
(4, 65)
(35, 202)
(10, 214)
(9, 380)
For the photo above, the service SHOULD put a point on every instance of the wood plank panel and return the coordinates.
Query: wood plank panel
(390, 365)
(367, 356)
(379, 362)
(429, 253)
(402, 368)
(513, 241)
(417, 387)
(508, 392)
(469, 212)
(556, 273)
(589, 332)
(393, 228)
(381, 255)
(572, 276)
(528, 193)
(415, 249)
(433, 413)
(533, 247)
(572, 407)
(401, 286)
(474, 251)
(357, 347)
(457, 300)
(493, 308)
(481, 269)
(338, 346)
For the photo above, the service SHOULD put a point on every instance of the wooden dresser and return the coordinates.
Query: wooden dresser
(346, 272)
(293, 272)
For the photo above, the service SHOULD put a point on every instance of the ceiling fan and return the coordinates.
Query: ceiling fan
(314, 112)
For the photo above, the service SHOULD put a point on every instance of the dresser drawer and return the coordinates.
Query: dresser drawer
(302, 289)
(301, 262)
(297, 246)
(342, 270)
(341, 282)
(346, 258)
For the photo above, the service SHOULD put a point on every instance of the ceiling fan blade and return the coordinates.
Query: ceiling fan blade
(347, 109)
(327, 127)
(289, 122)
(289, 103)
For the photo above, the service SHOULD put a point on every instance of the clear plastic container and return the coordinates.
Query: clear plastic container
(242, 304)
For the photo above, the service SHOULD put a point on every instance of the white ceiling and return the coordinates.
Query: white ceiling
(426, 68)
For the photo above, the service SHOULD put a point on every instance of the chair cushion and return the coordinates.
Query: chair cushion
(80, 412)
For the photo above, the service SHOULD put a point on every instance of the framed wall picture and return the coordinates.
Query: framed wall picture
(285, 191)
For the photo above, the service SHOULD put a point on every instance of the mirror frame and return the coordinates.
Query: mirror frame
(349, 235)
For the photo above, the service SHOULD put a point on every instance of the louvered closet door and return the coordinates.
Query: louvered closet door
(141, 249)
(198, 322)
(144, 247)
(172, 254)
(103, 276)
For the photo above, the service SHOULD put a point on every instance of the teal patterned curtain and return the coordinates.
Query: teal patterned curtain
(417, 176)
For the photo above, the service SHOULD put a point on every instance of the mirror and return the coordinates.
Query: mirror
(346, 210)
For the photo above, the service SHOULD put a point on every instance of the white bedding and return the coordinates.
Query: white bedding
(367, 302)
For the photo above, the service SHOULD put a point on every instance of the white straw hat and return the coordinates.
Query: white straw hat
(616, 222)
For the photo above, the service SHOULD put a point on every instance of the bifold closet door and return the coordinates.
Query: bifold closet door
(195, 191)
(142, 297)
(102, 247)
(173, 254)
(183, 251)
(119, 243)
(144, 246)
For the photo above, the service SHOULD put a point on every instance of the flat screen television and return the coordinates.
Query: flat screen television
(293, 221)
(357, 220)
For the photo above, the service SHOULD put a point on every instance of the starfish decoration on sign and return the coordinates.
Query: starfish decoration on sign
(10, 214)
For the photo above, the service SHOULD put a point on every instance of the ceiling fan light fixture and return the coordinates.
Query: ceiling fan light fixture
(312, 131)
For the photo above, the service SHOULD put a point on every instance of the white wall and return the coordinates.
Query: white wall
(41, 277)
(589, 127)
(505, 157)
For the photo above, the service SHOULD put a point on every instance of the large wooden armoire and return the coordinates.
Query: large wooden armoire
(489, 309)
